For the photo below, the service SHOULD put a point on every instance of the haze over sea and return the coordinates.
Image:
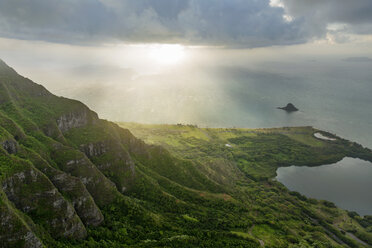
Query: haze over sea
(209, 86)
(333, 97)
(226, 64)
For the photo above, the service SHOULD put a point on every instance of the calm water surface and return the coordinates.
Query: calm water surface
(347, 183)
(337, 100)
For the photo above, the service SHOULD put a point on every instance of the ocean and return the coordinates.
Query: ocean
(332, 96)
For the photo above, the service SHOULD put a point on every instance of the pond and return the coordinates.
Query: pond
(347, 183)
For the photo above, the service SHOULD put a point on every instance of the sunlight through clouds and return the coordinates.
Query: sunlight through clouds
(167, 54)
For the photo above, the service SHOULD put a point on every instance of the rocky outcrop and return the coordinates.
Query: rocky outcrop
(289, 108)
(120, 168)
(10, 146)
(75, 163)
(81, 200)
(94, 149)
(75, 119)
(14, 231)
(35, 195)
(69, 186)
(43, 178)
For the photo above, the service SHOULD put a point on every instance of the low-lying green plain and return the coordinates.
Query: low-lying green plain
(245, 161)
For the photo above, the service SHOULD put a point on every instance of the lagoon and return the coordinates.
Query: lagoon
(347, 183)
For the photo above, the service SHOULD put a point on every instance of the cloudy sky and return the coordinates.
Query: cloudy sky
(160, 60)
(232, 23)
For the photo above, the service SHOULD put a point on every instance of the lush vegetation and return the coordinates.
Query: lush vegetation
(70, 179)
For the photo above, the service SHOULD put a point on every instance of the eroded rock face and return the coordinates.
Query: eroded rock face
(94, 149)
(75, 163)
(72, 120)
(10, 146)
(120, 168)
(81, 200)
(75, 119)
(35, 195)
(13, 231)
(49, 182)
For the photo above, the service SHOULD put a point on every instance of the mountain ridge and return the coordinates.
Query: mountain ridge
(37, 118)
(70, 179)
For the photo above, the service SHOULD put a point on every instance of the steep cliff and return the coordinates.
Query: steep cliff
(60, 163)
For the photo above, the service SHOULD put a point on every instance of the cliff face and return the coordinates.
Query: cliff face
(75, 119)
(60, 164)
(44, 177)
(14, 230)
(32, 193)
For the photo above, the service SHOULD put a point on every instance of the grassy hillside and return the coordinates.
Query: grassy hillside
(70, 179)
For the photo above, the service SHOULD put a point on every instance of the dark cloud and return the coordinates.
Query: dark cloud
(238, 23)
(247, 23)
(356, 14)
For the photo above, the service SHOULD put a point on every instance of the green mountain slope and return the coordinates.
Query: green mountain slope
(70, 179)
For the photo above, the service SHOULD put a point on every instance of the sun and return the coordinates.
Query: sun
(167, 54)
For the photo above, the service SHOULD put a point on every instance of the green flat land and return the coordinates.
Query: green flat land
(257, 152)
(246, 161)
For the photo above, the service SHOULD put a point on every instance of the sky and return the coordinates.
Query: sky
(232, 23)
(133, 60)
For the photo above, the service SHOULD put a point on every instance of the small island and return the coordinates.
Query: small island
(289, 108)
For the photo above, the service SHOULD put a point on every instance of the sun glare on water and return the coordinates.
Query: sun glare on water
(167, 54)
